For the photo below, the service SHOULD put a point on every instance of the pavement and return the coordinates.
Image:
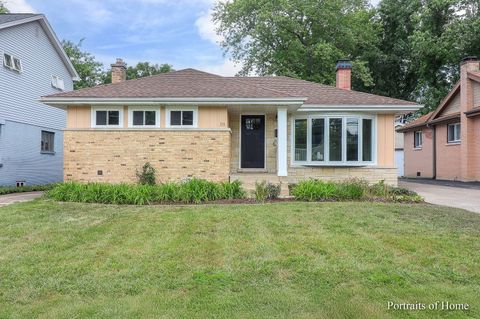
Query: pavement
(18, 197)
(446, 193)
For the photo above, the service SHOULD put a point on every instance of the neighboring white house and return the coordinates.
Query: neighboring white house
(33, 64)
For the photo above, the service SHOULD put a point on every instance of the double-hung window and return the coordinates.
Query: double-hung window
(453, 133)
(333, 140)
(417, 139)
(144, 117)
(12, 62)
(182, 117)
(107, 117)
(47, 142)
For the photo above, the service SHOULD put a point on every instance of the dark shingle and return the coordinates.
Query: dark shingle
(9, 17)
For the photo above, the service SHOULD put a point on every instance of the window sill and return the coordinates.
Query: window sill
(453, 143)
(332, 164)
(47, 153)
(417, 148)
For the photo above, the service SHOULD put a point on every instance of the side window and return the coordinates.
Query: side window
(58, 82)
(182, 118)
(48, 142)
(417, 141)
(11, 62)
(107, 118)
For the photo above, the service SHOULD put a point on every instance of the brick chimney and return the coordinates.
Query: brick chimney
(119, 71)
(467, 135)
(344, 74)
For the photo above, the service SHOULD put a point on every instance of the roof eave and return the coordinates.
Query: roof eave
(62, 102)
(397, 108)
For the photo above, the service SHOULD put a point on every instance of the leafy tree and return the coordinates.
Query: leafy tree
(142, 69)
(299, 38)
(3, 9)
(88, 69)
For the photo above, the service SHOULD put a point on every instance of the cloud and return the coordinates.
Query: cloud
(226, 68)
(19, 6)
(206, 27)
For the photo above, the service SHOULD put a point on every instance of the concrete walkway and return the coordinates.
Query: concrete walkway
(452, 194)
(18, 197)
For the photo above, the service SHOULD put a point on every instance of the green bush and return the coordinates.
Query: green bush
(317, 190)
(22, 189)
(147, 175)
(264, 191)
(191, 191)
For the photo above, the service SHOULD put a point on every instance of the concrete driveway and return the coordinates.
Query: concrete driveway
(18, 197)
(452, 194)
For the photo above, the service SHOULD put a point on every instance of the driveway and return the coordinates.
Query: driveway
(452, 194)
(18, 197)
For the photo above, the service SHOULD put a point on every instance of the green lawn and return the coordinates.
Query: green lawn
(285, 260)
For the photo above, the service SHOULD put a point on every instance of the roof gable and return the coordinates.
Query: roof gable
(9, 20)
(447, 101)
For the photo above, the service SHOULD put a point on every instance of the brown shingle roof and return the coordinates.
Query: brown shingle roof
(321, 94)
(190, 83)
(421, 121)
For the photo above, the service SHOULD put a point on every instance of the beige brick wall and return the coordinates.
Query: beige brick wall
(118, 153)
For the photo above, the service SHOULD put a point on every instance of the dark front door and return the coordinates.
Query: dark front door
(253, 141)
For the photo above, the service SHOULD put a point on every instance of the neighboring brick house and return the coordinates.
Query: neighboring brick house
(190, 123)
(445, 144)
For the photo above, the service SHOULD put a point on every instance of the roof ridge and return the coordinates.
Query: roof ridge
(263, 88)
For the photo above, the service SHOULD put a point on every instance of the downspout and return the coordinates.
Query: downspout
(434, 127)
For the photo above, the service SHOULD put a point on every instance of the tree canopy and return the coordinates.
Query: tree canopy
(408, 49)
(3, 9)
(142, 69)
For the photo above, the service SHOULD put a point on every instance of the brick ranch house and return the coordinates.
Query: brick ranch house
(190, 123)
(445, 144)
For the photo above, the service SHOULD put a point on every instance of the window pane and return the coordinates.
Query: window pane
(137, 117)
(352, 140)
(150, 118)
(335, 147)
(450, 133)
(457, 132)
(187, 118)
(17, 64)
(113, 117)
(47, 142)
(301, 140)
(175, 118)
(101, 118)
(8, 60)
(367, 140)
(318, 139)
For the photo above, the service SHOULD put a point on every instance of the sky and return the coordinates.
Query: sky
(177, 32)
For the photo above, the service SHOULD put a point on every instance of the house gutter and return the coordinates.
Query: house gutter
(62, 102)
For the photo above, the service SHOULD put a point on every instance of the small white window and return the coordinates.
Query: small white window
(182, 117)
(418, 139)
(11, 62)
(107, 117)
(144, 117)
(453, 133)
(47, 142)
(58, 82)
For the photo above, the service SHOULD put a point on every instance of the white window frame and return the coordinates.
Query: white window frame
(143, 109)
(12, 59)
(415, 146)
(58, 83)
(327, 162)
(168, 111)
(457, 139)
(106, 108)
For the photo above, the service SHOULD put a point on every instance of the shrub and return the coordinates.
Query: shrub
(264, 191)
(317, 190)
(191, 191)
(30, 188)
(147, 175)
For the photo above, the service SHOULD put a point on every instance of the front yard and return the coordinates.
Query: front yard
(300, 260)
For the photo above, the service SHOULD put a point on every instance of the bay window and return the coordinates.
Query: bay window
(333, 140)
